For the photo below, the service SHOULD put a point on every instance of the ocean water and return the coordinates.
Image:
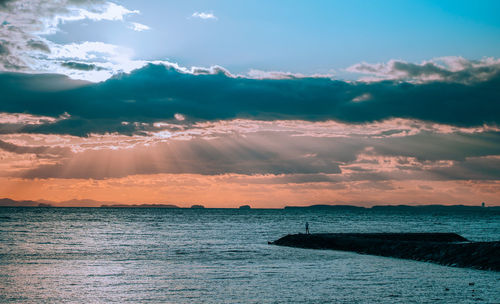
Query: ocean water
(95, 255)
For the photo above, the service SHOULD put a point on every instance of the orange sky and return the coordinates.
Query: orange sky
(232, 190)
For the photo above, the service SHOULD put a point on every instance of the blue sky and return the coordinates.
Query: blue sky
(299, 36)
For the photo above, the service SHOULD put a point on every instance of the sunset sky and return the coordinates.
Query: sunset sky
(266, 103)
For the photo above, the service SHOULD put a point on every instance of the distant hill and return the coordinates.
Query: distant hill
(84, 202)
(435, 208)
(7, 202)
(46, 203)
(402, 208)
(140, 206)
(316, 207)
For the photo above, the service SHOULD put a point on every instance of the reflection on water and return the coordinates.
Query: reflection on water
(217, 256)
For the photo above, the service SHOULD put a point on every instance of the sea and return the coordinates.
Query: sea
(155, 255)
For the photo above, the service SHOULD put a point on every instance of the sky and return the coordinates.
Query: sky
(266, 103)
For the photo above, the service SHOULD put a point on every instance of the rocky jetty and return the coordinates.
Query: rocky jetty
(448, 249)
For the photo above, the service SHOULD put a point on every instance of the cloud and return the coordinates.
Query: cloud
(108, 11)
(204, 15)
(14, 126)
(22, 45)
(25, 119)
(156, 92)
(446, 69)
(108, 59)
(258, 74)
(362, 97)
(179, 117)
(4, 51)
(303, 159)
(138, 27)
(71, 10)
(80, 66)
(39, 150)
(317, 155)
(39, 45)
(3, 3)
(472, 168)
(251, 155)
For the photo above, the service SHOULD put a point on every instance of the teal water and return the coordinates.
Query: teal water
(92, 255)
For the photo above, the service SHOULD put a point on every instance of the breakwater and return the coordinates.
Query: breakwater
(443, 248)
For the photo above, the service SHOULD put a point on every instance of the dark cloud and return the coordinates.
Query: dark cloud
(8, 58)
(3, 3)
(157, 93)
(416, 70)
(447, 69)
(466, 75)
(4, 51)
(38, 150)
(39, 45)
(474, 168)
(81, 66)
(432, 147)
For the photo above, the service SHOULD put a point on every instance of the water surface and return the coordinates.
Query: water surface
(136, 255)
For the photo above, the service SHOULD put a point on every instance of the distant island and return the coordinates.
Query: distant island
(337, 207)
(417, 208)
(140, 206)
(7, 202)
(435, 208)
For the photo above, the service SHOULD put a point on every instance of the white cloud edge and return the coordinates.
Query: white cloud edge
(204, 15)
(111, 59)
(108, 11)
(138, 27)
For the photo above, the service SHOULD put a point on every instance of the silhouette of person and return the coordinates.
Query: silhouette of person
(307, 228)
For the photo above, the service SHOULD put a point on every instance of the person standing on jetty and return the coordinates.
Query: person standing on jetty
(307, 228)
